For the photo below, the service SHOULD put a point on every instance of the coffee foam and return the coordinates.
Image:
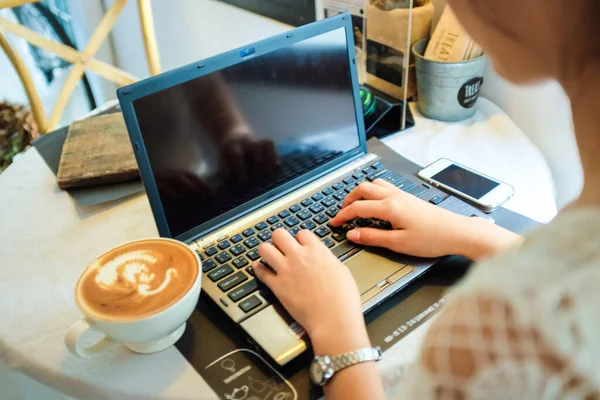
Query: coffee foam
(136, 280)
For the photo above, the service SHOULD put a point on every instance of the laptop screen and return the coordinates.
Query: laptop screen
(220, 140)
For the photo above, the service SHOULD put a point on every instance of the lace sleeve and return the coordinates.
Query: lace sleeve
(478, 349)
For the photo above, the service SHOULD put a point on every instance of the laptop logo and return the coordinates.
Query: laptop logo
(247, 52)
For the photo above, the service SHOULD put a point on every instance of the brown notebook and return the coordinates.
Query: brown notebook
(97, 151)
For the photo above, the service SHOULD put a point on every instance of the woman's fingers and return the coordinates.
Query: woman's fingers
(265, 274)
(384, 184)
(375, 237)
(285, 242)
(271, 255)
(366, 191)
(363, 209)
(307, 238)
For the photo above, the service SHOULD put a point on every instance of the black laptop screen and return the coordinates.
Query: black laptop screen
(223, 139)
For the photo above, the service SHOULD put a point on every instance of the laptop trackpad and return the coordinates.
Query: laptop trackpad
(369, 269)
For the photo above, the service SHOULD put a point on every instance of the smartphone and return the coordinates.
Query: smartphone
(485, 192)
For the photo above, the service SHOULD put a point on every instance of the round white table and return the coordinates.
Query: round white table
(47, 239)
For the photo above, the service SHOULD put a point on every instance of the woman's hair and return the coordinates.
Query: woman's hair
(589, 31)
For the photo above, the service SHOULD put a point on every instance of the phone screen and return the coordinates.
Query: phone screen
(465, 181)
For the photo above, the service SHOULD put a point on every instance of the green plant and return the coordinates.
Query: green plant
(17, 130)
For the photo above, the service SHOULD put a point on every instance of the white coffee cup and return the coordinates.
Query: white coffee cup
(150, 334)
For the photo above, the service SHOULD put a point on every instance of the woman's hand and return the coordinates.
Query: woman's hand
(419, 228)
(316, 289)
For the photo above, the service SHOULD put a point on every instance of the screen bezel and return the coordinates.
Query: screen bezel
(128, 94)
(489, 201)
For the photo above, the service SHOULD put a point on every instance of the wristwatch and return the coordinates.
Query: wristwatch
(323, 368)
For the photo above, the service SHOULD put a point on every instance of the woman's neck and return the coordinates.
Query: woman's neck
(584, 93)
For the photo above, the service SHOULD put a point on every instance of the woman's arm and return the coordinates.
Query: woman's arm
(301, 274)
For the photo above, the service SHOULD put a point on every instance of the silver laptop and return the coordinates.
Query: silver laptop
(263, 137)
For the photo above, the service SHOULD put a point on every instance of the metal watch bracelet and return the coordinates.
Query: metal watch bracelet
(323, 368)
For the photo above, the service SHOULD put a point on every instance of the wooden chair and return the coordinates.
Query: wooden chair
(81, 60)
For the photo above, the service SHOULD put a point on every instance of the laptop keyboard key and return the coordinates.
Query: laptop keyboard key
(340, 195)
(250, 271)
(236, 238)
(332, 211)
(436, 200)
(358, 175)
(237, 250)
(417, 191)
(277, 226)
(250, 304)
(379, 174)
(240, 262)
(224, 244)
(308, 225)
(265, 235)
(327, 192)
(385, 225)
(339, 237)
(322, 231)
(328, 242)
(320, 219)
(405, 185)
(377, 165)
(208, 265)
(348, 181)
(220, 272)
(284, 214)
(368, 171)
(243, 291)
(253, 255)
(295, 208)
(260, 226)
(317, 197)
(304, 215)
(211, 251)
(363, 222)
(223, 257)
(348, 189)
(328, 202)
(291, 221)
(251, 242)
(316, 208)
(307, 202)
(248, 232)
(234, 280)
(294, 231)
(338, 186)
(273, 220)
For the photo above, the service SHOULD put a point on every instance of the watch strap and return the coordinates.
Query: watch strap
(346, 360)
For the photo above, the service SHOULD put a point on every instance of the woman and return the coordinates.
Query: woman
(524, 323)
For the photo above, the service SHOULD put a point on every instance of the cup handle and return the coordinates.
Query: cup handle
(75, 345)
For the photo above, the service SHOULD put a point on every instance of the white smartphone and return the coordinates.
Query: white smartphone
(481, 190)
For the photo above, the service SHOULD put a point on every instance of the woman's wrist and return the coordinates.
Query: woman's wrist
(333, 339)
(482, 239)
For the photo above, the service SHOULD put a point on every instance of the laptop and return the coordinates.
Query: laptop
(267, 136)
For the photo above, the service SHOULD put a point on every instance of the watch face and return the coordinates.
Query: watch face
(316, 372)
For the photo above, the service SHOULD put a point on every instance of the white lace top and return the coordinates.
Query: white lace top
(523, 325)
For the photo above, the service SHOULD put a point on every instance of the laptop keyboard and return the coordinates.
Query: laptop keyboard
(227, 262)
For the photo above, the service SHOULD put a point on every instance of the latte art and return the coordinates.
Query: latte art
(137, 279)
(130, 273)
